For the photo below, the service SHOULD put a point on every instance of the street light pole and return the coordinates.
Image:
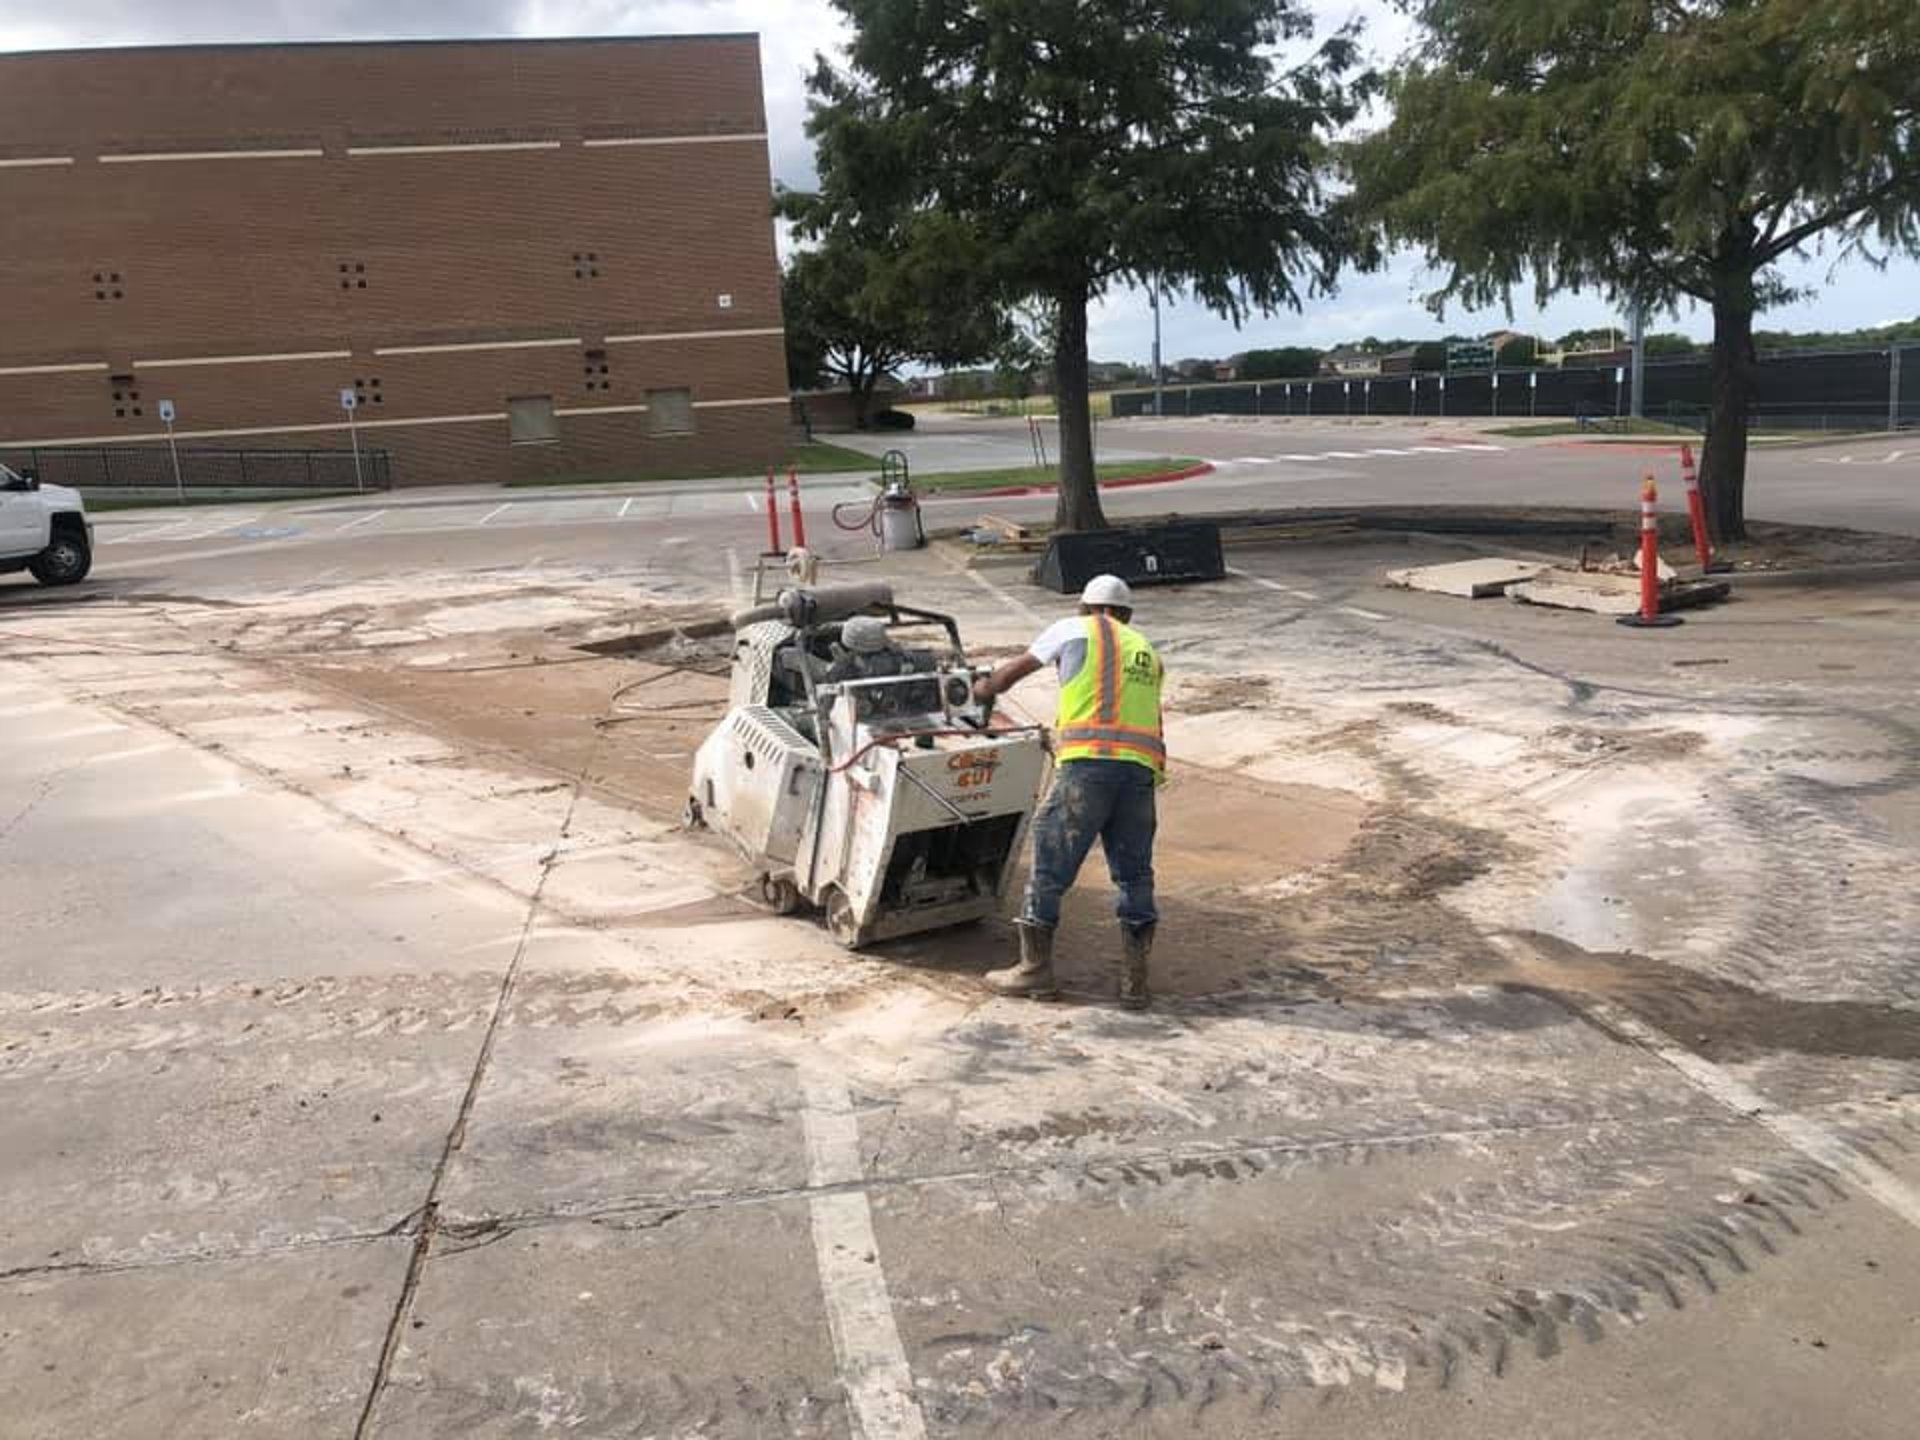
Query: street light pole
(1159, 376)
(1638, 340)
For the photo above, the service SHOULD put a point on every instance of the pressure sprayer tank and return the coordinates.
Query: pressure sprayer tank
(900, 527)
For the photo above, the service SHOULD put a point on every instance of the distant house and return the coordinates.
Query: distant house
(1399, 362)
(1351, 363)
(1596, 359)
(1227, 369)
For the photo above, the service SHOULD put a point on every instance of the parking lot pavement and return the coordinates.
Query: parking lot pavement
(1534, 1052)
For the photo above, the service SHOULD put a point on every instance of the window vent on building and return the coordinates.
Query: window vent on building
(126, 399)
(353, 275)
(597, 369)
(531, 421)
(586, 265)
(367, 392)
(107, 285)
(670, 412)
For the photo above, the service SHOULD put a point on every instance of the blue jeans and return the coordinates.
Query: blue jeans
(1111, 800)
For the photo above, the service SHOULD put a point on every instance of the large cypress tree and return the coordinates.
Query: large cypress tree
(1657, 151)
(1071, 145)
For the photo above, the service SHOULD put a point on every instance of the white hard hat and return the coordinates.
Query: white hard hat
(864, 635)
(1107, 590)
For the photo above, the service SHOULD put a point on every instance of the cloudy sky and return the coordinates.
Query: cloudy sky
(1849, 294)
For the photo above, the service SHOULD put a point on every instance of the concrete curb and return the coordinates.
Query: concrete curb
(1865, 573)
(1193, 472)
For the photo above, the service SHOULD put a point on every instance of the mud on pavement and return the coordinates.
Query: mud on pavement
(1481, 1040)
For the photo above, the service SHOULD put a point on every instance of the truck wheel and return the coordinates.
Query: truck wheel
(64, 562)
(779, 894)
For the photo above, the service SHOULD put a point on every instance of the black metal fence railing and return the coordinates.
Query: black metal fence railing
(1825, 390)
(150, 467)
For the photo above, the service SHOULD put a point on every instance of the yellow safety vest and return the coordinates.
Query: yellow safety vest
(1110, 709)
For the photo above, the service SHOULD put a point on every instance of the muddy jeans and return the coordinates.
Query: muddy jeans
(1111, 800)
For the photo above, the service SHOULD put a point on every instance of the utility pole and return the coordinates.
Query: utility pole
(1638, 339)
(1159, 376)
(1893, 386)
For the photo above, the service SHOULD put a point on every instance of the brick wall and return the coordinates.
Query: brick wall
(389, 238)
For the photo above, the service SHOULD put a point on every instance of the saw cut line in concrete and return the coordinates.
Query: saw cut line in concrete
(866, 1341)
(457, 1135)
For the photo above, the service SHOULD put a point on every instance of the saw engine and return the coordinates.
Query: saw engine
(855, 769)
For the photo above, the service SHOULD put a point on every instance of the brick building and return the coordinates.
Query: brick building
(525, 257)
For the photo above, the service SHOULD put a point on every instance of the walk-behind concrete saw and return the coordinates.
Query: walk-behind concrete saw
(856, 770)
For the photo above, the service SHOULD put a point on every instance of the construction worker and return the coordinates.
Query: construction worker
(1110, 755)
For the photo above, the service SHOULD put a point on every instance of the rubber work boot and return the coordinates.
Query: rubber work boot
(1032, 977)
(1136, 950)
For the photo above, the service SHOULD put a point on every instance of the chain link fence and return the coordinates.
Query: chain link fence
(1827, 391)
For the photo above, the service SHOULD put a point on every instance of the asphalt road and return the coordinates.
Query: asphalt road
(372, 1068)
(1870, 484)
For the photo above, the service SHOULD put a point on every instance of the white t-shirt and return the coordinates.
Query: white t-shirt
(1063, 645)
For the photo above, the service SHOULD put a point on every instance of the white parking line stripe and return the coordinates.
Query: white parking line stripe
(1267, 584)
(1343, 455)
(493, 512)
(1018, 606)
(1364, 614)
(1296, 457)
(364, 519)
(866, 1339)
(1389, 452)
(625, 505)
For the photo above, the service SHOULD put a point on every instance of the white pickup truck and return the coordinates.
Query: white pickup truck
(43, 529)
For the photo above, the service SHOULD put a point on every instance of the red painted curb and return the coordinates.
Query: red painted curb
(1191, 473)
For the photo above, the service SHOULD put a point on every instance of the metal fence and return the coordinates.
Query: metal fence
(1798, 390)
(150, 467)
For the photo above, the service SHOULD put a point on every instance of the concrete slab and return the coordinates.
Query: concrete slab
(1607, 594)
(708, 1323)
(281, 1347)
(620, 1107)
(1248, 1295)
(1470, 579)
(222, 1121)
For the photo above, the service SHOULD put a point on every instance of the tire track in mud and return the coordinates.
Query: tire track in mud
(72, 1032)
(1408, 1299)
(1833, 911)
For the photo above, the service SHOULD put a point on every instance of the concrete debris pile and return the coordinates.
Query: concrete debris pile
(1609, 587)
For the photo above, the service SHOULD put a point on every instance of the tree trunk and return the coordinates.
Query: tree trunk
(1723, 465)
(1079, 504)
(863, 399)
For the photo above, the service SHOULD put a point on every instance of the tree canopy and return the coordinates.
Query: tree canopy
(1068, 147)
(1657, 151)
(858, 305)
(1289, 362)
